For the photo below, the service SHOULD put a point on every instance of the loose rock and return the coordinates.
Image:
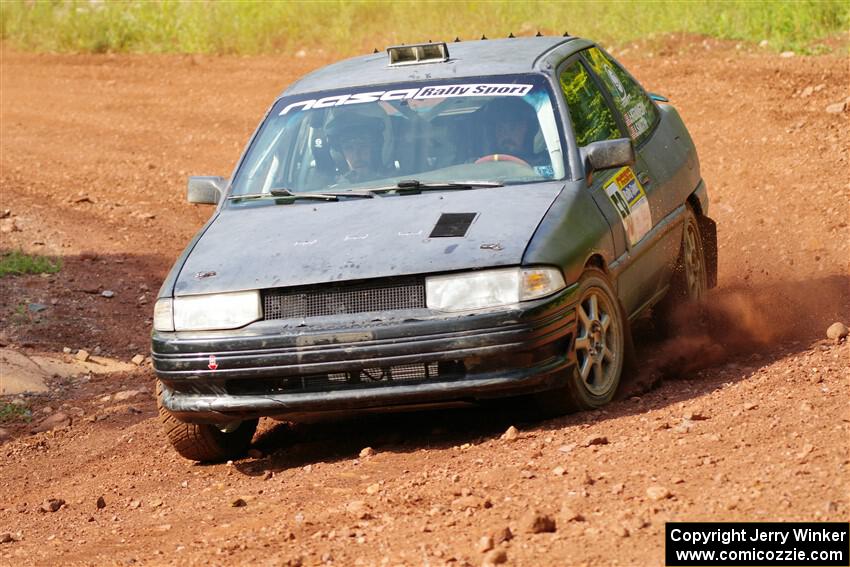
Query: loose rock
(137, 360)
(239, 503)
(837, 331)
(56, 421)
(125, 395)
(82, 355)
(485, 544)
(658, 493)
(107, 293)
(595, 440)
(51, 505)
(836, 108)
(358, 509)
(9, 537)
(469, 501)
(367, 452)
(503, 535)
(537, 523)
(511, 434)
(101, 503)
(495, 557)
(569, 514)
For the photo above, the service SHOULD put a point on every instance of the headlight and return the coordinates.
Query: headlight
(491, 288)
(207, 312)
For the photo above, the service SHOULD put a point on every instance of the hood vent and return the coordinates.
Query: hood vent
(452, 224)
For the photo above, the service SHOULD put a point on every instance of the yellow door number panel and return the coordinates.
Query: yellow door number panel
(628, 197)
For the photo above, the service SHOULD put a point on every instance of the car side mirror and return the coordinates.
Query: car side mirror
(607, 154)
(206, 190)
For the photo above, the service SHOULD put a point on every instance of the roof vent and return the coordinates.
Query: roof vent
(418, 53)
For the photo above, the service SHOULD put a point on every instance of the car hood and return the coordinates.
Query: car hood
(257, 246)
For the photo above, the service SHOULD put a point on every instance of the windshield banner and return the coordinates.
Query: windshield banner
(417, 93)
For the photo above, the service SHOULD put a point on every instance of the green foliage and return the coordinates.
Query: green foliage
(17, 263)
(12, 412)
(248, 27)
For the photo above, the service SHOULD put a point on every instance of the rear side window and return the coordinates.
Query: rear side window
(591, 116)
(639, 114)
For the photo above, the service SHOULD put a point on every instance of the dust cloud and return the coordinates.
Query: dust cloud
(734, 322)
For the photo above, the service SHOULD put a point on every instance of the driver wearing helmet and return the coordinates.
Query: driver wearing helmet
(511, 128)
(360, 140)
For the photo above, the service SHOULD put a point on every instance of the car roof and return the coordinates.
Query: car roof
(466, 59)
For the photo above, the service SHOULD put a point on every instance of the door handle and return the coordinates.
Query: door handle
(644, 178)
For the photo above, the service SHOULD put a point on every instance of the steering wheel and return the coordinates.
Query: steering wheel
(503, 157)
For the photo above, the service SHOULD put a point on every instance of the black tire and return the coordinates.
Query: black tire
(602, 347)
(689, 282)
(205, 442)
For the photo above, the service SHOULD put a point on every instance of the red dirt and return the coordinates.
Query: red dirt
(95, 153)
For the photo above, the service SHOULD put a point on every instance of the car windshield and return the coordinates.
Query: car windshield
(485, 129)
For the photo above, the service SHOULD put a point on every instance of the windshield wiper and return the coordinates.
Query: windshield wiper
(283, 192)
(412, 186)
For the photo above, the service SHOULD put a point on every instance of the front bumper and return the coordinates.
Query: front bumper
(279, 369)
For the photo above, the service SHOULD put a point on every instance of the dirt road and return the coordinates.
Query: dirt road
(747, 420)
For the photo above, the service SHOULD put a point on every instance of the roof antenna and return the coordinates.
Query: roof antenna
(457, 39)
(538, 34)
(511, 35)
(566, 34)
(483, 36)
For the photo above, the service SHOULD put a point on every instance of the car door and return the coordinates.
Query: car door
(654, 242)
(616, 191)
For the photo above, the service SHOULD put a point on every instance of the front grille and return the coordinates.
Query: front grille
(344, 299)
(402, 374)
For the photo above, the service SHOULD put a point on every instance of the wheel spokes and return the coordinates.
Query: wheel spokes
(585, 368)
(585, 320)
(594, 307)
(605, 321)
(583, 343)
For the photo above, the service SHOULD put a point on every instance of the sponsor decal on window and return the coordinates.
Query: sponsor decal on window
(418, 93)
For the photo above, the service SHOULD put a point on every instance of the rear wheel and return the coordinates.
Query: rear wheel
(600, 349)
(689, 283)
(206, 442)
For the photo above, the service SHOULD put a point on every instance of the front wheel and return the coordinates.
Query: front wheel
(600, 349)
(205, 442)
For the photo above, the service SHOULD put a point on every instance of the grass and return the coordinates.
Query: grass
(12, 412)
(346, 28)
(18, 263)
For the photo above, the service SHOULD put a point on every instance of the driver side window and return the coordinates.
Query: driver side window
(590, 114)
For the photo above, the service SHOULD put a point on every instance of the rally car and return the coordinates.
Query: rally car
(433, 224)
